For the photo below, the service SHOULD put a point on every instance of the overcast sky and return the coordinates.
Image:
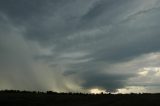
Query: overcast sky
(80, 45)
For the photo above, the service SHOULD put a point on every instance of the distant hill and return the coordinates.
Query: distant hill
(49, 98)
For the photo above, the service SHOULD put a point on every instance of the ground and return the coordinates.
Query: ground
(25, 98)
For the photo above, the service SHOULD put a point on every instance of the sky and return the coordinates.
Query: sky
(80, 45)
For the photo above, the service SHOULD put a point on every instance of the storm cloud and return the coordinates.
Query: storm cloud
(78, 45)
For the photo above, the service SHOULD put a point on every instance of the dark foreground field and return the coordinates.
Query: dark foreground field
(24, 98)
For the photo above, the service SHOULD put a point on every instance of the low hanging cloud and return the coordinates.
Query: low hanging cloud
(77, 45)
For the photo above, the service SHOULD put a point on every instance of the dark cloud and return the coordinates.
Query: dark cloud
(77, 40)
(110, 82)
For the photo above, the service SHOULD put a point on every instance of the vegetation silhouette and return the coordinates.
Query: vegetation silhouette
(49, 98)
